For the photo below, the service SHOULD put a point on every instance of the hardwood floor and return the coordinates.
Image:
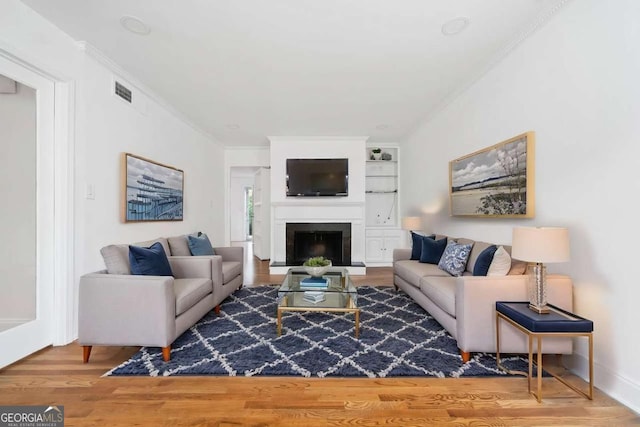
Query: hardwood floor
(57, 376)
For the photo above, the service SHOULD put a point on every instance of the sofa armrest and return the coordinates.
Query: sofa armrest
(191, 267)
(401, 254)
(476, 298)
(230, 253)
(116, 309)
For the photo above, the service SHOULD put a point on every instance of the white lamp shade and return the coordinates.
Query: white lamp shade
(411, 223)
(540, 244)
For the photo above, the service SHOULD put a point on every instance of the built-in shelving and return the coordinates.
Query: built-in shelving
(382, 225)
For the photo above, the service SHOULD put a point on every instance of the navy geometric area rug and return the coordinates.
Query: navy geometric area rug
(397, 338)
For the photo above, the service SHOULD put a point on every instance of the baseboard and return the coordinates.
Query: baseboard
(620, 388)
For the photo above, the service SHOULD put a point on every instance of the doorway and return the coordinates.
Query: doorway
(27, 189)
(241, 203)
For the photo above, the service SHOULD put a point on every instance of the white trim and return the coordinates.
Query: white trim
(623, 389)
(65, 300)
(107, 62)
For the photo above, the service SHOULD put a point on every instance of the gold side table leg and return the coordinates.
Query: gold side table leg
(530, 362)
(357, 315)
(590, 366)
(539, 368)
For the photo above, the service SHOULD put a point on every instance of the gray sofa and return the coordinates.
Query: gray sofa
(118, 308)
(465, 305)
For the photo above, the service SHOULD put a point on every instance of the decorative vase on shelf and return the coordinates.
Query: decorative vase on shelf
(376, 153)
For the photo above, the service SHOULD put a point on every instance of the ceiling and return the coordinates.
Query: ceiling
(242, 70)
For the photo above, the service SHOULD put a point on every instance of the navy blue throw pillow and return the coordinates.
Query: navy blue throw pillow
(151, 261)
(481, 267)
(432, 250)
(200, 245)
(416, 245)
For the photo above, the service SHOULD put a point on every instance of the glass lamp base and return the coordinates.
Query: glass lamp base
(538, 288)
(539, 310)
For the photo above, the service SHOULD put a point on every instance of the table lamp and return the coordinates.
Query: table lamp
(411, 223)
(539, 245)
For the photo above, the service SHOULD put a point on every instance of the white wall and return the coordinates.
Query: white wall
(575, 83)
(18, 195)
(104, 128)
(111, 127)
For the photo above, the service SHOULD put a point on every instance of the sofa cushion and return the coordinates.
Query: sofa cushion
(413, 271)
(517, 267)
(200, 245)
(230, 270)
(501, 263)
(483, 261)
(188, 292)
(116, 259)
(454, 258)
(441, 291)
(179, 246)
(432, 250)
(416, 246)
(151, 261)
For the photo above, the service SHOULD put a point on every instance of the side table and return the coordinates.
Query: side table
(556, 323)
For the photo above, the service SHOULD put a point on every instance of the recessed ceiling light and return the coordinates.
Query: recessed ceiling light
(455, 26)
(233, 126)
(383, 127)
(135, 25)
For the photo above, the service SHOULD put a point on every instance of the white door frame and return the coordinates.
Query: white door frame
(56, 176)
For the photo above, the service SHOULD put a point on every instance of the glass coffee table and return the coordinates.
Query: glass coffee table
(334, 292)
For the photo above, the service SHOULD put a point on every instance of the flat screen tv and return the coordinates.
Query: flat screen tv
(317, 177)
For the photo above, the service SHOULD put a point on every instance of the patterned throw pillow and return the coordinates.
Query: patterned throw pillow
(454, 259)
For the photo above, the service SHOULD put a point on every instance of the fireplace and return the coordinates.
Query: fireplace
(308, 239)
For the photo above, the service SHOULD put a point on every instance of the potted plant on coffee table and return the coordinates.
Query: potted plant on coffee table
(317, 266)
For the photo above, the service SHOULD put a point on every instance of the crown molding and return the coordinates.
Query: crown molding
(540, 21)
(114, 67)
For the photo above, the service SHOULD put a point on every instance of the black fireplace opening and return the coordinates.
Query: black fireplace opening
(330, 240)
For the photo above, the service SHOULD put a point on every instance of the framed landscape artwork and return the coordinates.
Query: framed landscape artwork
(152, 191)
(497, 181)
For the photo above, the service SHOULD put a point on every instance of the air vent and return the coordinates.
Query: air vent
(123, 92)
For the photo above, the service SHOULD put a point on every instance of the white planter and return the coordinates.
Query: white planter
(317, 271)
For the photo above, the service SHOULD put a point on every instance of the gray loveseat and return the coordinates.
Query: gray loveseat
(465, 305)
(118, 308)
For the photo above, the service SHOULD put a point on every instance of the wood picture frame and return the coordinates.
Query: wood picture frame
(495, 182)
(151, 191)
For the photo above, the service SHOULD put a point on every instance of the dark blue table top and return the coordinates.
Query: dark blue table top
(557, 320)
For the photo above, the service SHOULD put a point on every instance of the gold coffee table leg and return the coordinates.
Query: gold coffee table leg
(357, 313)
(279, 324)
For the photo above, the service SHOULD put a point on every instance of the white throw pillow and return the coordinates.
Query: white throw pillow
(501, 263)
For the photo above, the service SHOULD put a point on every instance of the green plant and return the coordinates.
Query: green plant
(317, 261)
(377, 150)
